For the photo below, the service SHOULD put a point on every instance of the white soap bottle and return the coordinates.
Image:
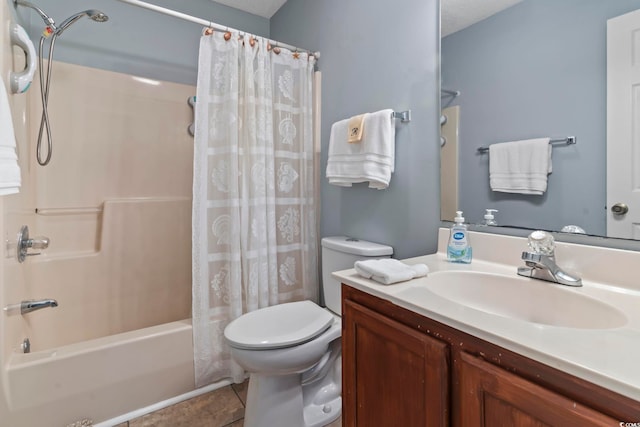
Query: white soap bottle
(489, 219)
(459, 248)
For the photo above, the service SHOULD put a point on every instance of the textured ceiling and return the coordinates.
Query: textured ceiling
(459, 14)
(264, 8)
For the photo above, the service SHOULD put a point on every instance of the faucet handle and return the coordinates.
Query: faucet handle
(38, 242)
(541, 242)
(531, 257)
(25, 243)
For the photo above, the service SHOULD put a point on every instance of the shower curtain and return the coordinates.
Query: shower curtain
(254, 225)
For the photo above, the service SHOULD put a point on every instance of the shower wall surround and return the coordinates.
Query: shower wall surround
(13, 281)
(115, 202)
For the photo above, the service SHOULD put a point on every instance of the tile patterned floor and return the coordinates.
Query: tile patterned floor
(220, 408)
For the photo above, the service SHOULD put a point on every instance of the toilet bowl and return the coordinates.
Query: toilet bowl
(293, 350)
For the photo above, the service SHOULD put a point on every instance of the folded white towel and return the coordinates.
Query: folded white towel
(520, 166)
(9, 168)
(372, 159)
(388, 270)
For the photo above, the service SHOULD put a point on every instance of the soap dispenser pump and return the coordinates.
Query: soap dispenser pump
(459, 248)
(489, 219)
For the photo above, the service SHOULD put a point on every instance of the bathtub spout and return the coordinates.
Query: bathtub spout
(33, 305)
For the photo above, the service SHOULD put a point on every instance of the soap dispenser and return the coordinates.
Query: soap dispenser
(459, 248)
(489, 219)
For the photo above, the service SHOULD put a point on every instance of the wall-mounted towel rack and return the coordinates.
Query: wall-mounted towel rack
(569, 140)
(404, 116)
(449, 92)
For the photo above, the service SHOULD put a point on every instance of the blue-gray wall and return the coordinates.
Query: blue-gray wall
(137, 41)
(536, 69)
(377, 55)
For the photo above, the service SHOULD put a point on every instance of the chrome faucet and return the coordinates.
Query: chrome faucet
(541, 262)
(33, 305)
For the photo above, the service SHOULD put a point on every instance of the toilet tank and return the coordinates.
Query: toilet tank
(340, 253)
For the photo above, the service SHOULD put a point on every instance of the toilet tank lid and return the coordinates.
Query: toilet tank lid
(355, 246)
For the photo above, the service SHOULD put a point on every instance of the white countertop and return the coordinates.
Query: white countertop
(606, 357)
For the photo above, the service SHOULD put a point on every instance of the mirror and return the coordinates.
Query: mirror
(536, 68)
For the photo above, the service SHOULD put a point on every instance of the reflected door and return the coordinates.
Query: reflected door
(449, 187)
(623, 126)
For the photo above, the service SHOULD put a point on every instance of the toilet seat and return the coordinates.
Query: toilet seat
(278, 326)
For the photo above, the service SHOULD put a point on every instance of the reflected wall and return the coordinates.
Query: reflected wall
(536, 69)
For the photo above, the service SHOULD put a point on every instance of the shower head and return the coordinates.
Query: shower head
(52, 31)
(47, 20)
(95, 15)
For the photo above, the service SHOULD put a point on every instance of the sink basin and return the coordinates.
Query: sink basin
(516, 297)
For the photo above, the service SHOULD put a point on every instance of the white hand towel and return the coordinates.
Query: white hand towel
(520, 166)
(372, 159)
(9, 168)
(388, 270)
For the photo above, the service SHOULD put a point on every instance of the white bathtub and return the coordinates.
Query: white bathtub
(99, 379)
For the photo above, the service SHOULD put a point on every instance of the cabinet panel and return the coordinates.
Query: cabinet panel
(493, 397)
(392, 375)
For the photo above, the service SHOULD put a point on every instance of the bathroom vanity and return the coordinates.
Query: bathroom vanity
(473, 345)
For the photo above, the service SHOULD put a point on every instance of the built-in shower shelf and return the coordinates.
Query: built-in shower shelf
(69, 211)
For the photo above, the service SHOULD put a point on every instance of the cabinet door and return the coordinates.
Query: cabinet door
(492, 397)
(392, 375)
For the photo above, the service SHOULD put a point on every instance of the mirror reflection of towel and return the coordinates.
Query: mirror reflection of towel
(520, 166)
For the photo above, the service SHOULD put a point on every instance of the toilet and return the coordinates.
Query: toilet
(292, 351)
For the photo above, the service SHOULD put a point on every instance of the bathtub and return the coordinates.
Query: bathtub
(99, 379)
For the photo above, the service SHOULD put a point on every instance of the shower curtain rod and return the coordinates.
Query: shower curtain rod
(209, 24)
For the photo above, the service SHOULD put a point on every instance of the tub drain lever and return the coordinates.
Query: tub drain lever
(26, 346)
(25, 243)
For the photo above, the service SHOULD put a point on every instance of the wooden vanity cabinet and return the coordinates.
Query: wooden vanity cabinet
(490, 396)
(403, 369)
(395, 375)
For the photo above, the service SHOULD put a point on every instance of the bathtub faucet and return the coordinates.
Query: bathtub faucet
(33, 305)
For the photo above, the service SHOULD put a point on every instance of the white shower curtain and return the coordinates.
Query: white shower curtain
(254, 225)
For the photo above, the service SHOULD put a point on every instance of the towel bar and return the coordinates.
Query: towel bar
(448, 92)
(569, 140)
(404, 116)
